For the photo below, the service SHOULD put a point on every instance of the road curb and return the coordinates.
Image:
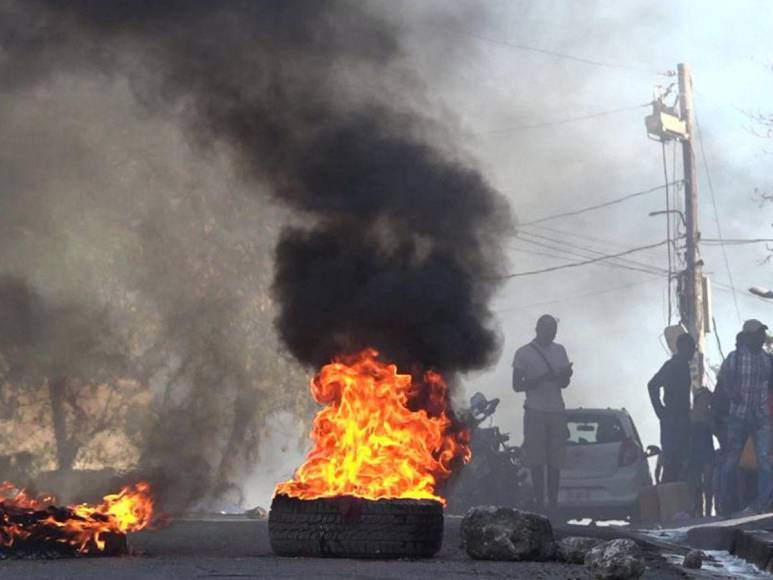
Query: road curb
(748, 538)
(721, 534)
(712, 538)
(755, 546)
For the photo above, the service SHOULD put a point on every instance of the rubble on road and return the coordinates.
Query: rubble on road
(257, 513)
(615, 560)
(694, 560)
(500, 533)
(573, 549)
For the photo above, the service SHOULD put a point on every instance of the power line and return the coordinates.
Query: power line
(577, 296)
(566, 120)
(553, 53)
(582, 263)
(597, 206)
(649, 270)
(612, 244)
(716, 218)
(536, 253)
(716, 335)
(585, 256)
(571, 234)
(582, 252)
(676, 203)
(668, 232)
(735, 241)
(585, 237)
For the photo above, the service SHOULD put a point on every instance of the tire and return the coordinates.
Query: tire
(351, 527)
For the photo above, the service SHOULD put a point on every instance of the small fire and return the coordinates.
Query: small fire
(25, 518)
(380, 435)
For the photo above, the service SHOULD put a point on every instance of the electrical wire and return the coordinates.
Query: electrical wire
(596, 206)
(668, 233)
(584, 252)
(716, 335)
(573, 249)
(676, 204)
(571, 234)
(716, 219)
(582, 263)
(537, 253)
(564, 121)
(587, 238)
(578, 296)
(735, 242)
(546, 52)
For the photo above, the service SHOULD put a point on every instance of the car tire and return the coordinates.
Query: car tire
(351, 527)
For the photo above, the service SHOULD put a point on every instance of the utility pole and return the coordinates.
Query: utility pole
(666, 124)
(691, 299)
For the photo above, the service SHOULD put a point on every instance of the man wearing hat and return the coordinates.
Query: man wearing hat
(746, 377)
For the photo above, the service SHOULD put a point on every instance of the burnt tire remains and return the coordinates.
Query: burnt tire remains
(351, 527)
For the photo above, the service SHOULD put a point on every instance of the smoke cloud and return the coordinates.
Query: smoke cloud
(400, 253)
(393, 235)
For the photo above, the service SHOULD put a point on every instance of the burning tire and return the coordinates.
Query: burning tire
(351, 527)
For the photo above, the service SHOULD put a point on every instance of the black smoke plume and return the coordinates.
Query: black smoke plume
(400, 248)
(395, 237)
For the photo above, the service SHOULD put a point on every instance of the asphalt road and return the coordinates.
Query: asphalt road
(239, 548)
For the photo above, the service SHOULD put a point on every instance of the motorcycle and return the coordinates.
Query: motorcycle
(496, 474)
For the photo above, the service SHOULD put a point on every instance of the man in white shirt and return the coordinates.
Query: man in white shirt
(542, 369)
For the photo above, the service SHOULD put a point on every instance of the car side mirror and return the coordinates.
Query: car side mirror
(652, 451)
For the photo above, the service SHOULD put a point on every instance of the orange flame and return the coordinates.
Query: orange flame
(24, 517)
(380, 435)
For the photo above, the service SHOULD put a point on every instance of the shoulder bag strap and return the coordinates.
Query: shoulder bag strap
(542, 356)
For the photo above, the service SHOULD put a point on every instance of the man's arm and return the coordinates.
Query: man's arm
(654, 386)
(521, 383)
(726, 378)
(564, 374)
(770, 376)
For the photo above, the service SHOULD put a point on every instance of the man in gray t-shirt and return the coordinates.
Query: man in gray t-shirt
(541, 369)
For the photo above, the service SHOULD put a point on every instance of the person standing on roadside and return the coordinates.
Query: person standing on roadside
(702, 454)
(542, 369)
(746, 377)
(673, 410)
(720, 410)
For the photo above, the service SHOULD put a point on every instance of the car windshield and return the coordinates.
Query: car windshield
(594, 429)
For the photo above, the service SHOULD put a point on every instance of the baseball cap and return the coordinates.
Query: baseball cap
(753, 325)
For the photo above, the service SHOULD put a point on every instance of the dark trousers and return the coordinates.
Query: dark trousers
(739, 430)
(675, 448)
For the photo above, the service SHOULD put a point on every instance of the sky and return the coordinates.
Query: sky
(611, 319)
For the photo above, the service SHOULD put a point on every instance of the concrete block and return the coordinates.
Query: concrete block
(649, 505)
(674, 500)
(755, 546)
(712, 537)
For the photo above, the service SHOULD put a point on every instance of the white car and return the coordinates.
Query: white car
(606, 466)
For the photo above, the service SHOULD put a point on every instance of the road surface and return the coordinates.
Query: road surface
(239, 548)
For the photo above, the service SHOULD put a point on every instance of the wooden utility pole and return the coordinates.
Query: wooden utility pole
(691, 299)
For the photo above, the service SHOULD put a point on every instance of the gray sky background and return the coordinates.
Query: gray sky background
(614, 337)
